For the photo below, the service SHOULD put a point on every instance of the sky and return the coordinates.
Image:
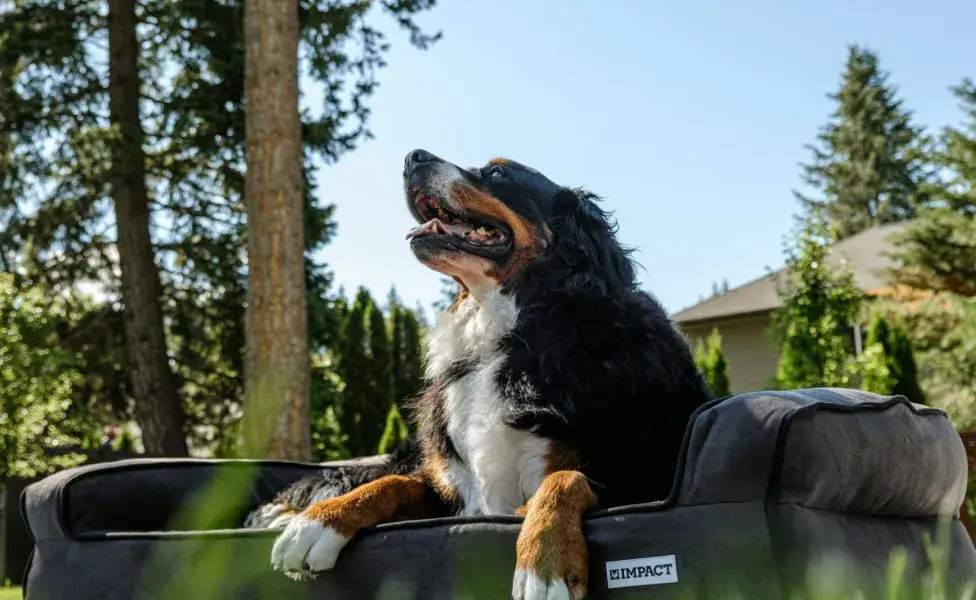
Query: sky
(689, 119)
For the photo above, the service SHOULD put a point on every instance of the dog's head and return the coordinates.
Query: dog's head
(507, 225)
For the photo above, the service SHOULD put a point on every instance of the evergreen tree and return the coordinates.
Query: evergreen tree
(59, 129)
(353, 369)
(373, 414)
(711, 362)
(394, 433)
(879, 381)
(819, 304)
(958, 155)
(868, 167)
(900, 376)
(405, 331)
(937, 252)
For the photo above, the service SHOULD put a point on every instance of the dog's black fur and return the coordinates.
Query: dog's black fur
(593, 363)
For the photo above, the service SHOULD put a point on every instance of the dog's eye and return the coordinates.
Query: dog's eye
(496, 173)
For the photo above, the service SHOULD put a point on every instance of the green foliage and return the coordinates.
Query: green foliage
(373, 414)
(56, 225)
(378, 356)
(36, 385)
(941, 328)
(405, 332)
(958, 155)
(711, 361)
(900, 373)
(395, 431)
(869, 166)
(819, 304)
(353, 369)
(937, 252)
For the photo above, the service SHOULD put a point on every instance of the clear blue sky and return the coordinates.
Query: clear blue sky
(689, 118)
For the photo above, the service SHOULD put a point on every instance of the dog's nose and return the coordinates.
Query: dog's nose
(417, 157)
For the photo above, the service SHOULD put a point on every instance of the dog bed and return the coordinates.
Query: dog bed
(775, 492)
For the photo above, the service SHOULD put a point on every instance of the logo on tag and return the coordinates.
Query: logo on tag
(652, 570)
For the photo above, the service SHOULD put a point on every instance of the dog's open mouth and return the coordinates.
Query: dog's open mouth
(467, 231)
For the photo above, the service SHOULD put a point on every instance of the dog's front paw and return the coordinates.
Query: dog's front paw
(551, 564)
(306, 547)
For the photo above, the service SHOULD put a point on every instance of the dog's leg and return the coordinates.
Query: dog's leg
(551, 556)
(312, 540)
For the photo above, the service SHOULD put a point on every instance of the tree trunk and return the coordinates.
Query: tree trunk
(157, 406)
(276, 355)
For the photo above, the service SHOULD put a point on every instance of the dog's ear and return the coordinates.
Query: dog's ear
(578, 203)
(566, 201)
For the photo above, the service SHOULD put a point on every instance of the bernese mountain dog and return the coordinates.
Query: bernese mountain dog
(554, 384)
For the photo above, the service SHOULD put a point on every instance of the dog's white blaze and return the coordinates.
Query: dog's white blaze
(440, 183)
(501, 467)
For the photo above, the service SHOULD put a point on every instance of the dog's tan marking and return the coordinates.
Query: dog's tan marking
(498, 161)
(482, 203)
(462, 295)
(388, 498)
(551, 546)
(436, 473)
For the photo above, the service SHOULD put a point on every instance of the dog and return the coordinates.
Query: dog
(554, 384)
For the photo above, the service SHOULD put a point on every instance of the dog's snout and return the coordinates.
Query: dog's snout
(417, 157)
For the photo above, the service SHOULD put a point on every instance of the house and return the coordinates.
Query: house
(743, 315)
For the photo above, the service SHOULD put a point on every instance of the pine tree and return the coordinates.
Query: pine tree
(58, 134)
(373, 414)
(353, 369)
(819, 305)
(958, 155)
(900, 375)
(937, 252)
(394, 433)
(868, 167)
(711, 361)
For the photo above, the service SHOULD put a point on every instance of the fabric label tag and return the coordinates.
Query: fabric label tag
(653, 570)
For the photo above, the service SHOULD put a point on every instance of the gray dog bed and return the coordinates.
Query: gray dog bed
(776, 491)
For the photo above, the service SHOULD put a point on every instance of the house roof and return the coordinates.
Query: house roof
(866, 252)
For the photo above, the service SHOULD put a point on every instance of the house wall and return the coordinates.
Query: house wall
(752, 357)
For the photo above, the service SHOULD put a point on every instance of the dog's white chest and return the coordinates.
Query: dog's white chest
(499, 467)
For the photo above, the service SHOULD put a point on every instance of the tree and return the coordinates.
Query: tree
(868, 167)
(276, 353)
(711, 361)
(405, 335)
(937, 252)
(157, 406)
(958, 155)
(36, 385)
(819, 304)
(395, 431)
(373, 413)
(934, 284)
(407, 370)
(57, 224)
(900, 375)
(353, 369)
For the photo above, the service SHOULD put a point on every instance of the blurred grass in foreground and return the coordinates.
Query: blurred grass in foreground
(222, 566)
(219, 566)
(10, 593)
